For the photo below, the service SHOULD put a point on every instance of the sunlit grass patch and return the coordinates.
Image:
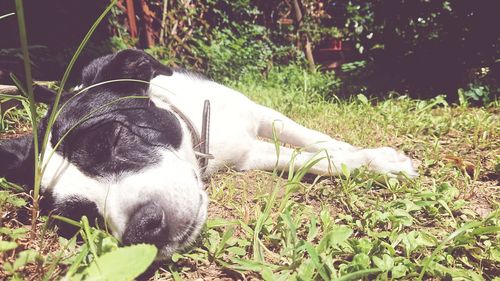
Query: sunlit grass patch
(440, 224)
(261, 225)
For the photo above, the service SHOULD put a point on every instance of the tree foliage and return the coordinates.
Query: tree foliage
(427, 45)
(424, 47)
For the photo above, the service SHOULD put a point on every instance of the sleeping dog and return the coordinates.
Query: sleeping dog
(128, 151)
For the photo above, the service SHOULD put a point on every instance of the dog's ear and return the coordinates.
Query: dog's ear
(135, 64)
(126, 64)
(17, 160)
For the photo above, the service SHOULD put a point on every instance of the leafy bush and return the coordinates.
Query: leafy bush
(295, 78)
(233, 54)
(475, 94)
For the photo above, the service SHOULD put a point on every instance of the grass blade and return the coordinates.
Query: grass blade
(54, 110)
(452, 236)
(316, 260)
(28, 89)
(358, 274)
(7, 15)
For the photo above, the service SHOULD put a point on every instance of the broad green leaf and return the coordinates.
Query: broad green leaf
(316, 260)
(345, 171)
(399, 271)
(313, 230)
(7, 246)
(213, 240)
(334, 237)
(122, 264)
(385, 263)
(108, 244)
(267, 274)
(410, 242)
(363, 245)
(8, 267)
(426, 239)
(25, 257)
(176, 257)
(362, 260)
(306, 270)
(326, 219)
(216, 223)
(363, 99)
(236, 251)
(495, 254)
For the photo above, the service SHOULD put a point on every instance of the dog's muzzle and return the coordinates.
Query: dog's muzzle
(151, 224)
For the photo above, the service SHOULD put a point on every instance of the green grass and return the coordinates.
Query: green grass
(442, 224)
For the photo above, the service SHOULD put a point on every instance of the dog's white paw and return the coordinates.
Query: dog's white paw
(388, 161)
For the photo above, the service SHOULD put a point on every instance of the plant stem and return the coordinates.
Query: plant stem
(163, 23)
(29, 91)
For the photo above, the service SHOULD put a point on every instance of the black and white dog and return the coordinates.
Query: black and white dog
(125, 152)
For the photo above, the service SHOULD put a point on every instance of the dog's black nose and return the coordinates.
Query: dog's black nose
(147, 224)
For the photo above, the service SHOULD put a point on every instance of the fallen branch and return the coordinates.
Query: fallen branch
(8, 90)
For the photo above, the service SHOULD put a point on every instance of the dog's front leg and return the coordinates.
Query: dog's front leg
(383, 160)
(264, 156)
(292, 133)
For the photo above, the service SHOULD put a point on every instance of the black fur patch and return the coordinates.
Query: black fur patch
(72, 208)
(17, 162)
(109, 137)
(105, 130)
(110, 130)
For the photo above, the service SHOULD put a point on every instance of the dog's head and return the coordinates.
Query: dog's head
(118, 157)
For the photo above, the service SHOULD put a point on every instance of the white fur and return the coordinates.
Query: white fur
(237, 124)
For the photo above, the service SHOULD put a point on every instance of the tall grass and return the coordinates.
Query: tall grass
(95, 259)
(27, 90)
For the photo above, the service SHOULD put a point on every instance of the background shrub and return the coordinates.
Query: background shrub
(421, 48)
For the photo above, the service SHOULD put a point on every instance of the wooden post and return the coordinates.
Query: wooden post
(308, 46)
(146, 16)
(132, 23)
(163, 22)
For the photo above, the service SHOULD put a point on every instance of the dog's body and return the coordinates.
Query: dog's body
(131, 160)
